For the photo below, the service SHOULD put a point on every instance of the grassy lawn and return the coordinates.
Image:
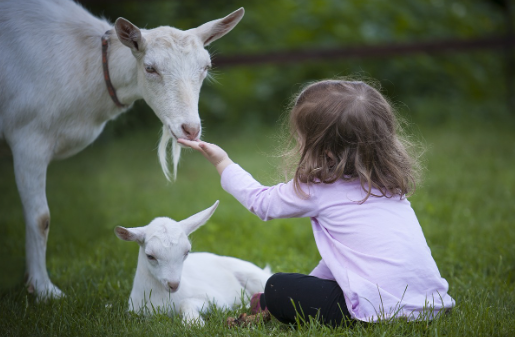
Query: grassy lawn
(465, 206)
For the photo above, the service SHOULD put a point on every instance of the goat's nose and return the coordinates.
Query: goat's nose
(173, 286)
(191, 131)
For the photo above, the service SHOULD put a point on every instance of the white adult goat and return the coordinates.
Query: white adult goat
(54, 101)
(173, 280)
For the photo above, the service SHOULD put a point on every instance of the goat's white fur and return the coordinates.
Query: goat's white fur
(171, 283)
(54, 101)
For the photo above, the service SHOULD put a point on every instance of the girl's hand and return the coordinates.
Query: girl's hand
(215, 154)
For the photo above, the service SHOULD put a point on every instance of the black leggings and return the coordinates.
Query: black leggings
(288, 295)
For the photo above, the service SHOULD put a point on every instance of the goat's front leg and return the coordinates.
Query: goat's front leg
(190, 312)
(30, 169)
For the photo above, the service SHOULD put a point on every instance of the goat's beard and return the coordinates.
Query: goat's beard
(163, 157)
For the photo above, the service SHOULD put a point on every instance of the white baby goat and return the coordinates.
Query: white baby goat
(171, 279)
(55, 101)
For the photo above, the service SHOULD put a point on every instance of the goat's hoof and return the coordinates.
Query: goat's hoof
(47, 292)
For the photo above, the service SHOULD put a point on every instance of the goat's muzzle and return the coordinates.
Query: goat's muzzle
(173, 286)
(191, 131)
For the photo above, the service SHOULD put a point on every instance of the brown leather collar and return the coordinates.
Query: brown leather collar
(110, 88)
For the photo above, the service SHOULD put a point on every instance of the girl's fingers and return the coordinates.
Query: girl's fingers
(193, 144)
(205, 147)
(185, 142)
(196, 145)
(211, 152)
(208, 151)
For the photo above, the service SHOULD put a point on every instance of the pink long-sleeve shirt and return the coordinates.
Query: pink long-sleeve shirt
(376, 250)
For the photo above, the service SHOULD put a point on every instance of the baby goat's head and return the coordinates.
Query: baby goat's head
(164, 245)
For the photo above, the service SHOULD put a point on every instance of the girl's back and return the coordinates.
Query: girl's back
(375, 250)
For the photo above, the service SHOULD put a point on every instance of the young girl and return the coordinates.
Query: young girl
(351, 179)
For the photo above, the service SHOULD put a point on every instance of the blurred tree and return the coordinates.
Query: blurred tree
(506, 7)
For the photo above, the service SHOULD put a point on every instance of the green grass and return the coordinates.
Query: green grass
(464, 206)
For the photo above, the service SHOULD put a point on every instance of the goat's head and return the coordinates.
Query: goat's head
(164, 245)
(172, 64)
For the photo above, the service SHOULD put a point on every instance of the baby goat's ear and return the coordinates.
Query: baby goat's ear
(130, 234)
(190, 224)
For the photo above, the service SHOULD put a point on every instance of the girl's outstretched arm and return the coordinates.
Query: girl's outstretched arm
(279, 201)
(215, 154)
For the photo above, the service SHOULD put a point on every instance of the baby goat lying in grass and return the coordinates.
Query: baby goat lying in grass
(171, 279)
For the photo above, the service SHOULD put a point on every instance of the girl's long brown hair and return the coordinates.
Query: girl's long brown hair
(348, 130)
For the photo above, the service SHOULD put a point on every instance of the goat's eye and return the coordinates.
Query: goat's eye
(150, 69)
(151, 257)
(186, 254)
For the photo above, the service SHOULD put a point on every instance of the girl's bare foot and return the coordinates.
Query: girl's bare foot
(248, 320)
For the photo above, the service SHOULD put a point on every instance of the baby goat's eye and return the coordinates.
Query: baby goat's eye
(150, 69)
(151, 257)
(186, 254)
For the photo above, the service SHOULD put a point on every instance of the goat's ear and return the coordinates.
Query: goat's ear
(191, 224)
(129, 35)
(130, 234)
(213, 30)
